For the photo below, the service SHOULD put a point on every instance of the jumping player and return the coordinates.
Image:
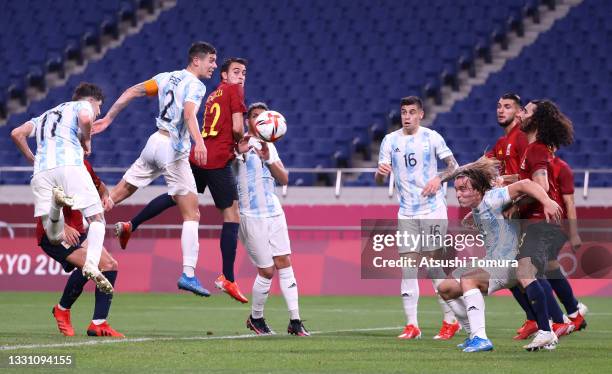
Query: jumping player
(63, 138)
(166, 153)
(223, 127)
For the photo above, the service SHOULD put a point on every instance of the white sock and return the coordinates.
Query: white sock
(95, 238)
(289, 288)
(54, 224)
(410, 299)
(98, 322)
(458, 308)
(261, 289)
(449, 316)
(60, 307)
(474, 302)
(190, 246)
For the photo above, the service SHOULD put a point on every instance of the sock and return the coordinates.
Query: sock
(74, 286)
(537, 299)
(54, 224)
(474, 302)
(154, 208)
(563, 289)
(521, 298)
(554, 310)
(191, 247)
(229, 242)
(103, 300)
(410, 299)
(98, 322)
(261, 289)
(95, 237)
(459, 309)
(288, 286)
(449, 316)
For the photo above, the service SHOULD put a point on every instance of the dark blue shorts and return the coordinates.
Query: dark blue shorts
(221, 182)
(59, 252)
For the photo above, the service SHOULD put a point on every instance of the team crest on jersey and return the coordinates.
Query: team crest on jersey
(396, 150)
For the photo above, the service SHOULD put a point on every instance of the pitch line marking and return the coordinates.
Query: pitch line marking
(162, 339)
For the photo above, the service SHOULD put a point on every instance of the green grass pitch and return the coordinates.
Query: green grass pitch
(183, 333)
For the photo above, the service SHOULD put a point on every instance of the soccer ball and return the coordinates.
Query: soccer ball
(270, 126)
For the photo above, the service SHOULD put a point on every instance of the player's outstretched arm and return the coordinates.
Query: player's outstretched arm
(199, 149)
(540, 176)
(552, 210)
(141, 89)
(19, 135)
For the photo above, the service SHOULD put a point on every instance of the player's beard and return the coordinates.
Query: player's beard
(528, 125)
(506, 123)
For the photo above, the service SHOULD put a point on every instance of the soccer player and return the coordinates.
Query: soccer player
(510, 147)
(71, 253)
(263, 227)
(223, 127)
(63, 137)
(412, 153)
(166, 153)
(475, 190)
(547, 128)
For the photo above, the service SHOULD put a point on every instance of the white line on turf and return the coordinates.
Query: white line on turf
(161, 339)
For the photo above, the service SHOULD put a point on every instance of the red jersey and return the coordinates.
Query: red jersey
(538, 156)
(564, 176)
(72, 218)
(509, 150)
(217, 132)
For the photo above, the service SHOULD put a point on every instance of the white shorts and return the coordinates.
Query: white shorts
(76, 182)
(157, 158)
(501, 278)
(265, 238)
(425, 231)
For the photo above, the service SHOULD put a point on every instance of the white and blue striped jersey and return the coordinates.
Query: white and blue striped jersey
(173, 90)
(501, 235)
(256, 184)
(414, 159)
(57, 136)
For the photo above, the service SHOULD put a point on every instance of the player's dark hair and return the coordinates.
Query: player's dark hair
(228, 61)
(200, 48)
(258, 105)
(512, 96)
(554, 128)
(85, 89)
(412, 100)
(481, 173)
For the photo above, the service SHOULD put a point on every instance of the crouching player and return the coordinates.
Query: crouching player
(70, 250)
(475, 190)
(263, 228)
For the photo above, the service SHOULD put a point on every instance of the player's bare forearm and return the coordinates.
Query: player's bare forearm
(125, 98)
(238, 126)
(278, 171)
(19, 135)
(511, 178)
(451, 166)
(572, 216)
(540, 176)
(529, 188)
